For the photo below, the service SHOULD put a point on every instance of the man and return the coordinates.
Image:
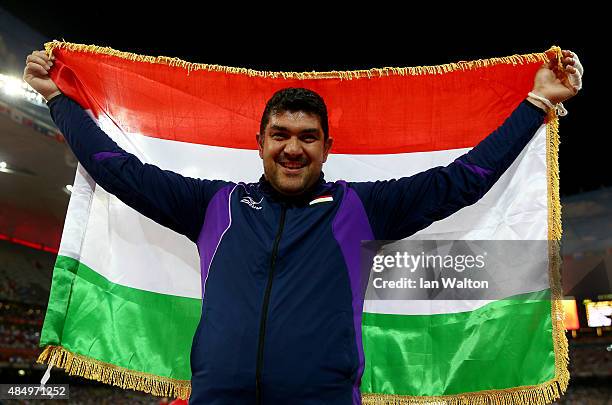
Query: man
(282, 289)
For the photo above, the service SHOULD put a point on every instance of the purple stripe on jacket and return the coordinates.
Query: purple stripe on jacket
(350, 227)
(481, 171)
(216, 221)
(100, 156)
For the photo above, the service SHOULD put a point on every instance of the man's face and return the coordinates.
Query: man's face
(293, 150)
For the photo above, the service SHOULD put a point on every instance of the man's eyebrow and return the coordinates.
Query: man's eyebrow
(284, 129)
(279, 128)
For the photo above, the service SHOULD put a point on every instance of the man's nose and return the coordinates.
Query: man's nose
(293, 147)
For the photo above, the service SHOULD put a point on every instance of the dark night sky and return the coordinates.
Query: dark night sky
(312, 40)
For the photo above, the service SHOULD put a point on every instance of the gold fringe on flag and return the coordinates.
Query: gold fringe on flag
(555, 230)
(83, 366)
(540, 394)
(335, 74)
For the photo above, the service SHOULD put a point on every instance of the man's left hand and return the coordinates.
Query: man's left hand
(555, 84)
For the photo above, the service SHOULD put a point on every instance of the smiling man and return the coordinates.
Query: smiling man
(282, 288)
(294, 140)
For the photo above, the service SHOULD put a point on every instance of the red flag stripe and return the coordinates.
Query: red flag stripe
(389, 114)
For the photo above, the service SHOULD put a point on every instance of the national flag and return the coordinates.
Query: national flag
(125, 298)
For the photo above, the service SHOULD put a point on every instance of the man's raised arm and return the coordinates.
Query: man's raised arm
(399, 208)
(168, 198)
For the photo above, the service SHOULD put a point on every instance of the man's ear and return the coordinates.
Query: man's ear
(260, 141)
(326, 148)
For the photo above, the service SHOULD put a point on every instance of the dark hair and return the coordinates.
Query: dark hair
(295, 99)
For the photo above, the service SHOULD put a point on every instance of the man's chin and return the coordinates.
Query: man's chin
(290, 188)
(291, 191)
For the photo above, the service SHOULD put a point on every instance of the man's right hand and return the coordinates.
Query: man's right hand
(36, 74)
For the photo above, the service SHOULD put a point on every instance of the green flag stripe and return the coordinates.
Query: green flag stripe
(94, 317)
(504, 344)
(418, 354)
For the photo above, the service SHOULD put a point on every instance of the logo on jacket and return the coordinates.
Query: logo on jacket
(252, 203)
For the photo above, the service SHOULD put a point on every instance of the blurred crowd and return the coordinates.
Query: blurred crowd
(591, 360)
(25, 274)
(591, 394)
(20, 326)
(18, 336)
(12, 289)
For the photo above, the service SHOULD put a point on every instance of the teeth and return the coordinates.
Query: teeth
(289, 166)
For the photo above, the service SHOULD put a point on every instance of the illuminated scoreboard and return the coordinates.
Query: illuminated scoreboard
(599, 314)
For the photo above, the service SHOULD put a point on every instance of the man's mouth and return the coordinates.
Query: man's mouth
(292, 165)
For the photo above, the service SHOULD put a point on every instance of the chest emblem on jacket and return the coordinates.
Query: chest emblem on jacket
(252, 203)
(323, 198)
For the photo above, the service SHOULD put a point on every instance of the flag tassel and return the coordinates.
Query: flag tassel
(537, 395)
(555, 230)
(342, 75)
(83, 366)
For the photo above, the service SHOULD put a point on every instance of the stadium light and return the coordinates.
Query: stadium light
(16, 88)
(4, 167)
(11, 86)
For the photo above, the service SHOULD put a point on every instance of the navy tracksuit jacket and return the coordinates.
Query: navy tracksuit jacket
(281, 284)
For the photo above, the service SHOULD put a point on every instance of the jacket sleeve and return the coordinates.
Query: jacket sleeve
(172, 200)
(398, 208)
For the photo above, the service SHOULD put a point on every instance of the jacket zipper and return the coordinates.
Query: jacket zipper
(264, 310)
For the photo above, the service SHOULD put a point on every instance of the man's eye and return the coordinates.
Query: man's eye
(279, 136)
(309, 138)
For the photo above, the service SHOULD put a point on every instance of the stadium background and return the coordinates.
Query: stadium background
(37, 167)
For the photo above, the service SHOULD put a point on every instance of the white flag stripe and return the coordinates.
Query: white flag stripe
(133, 251)
(240, 165)
(77, 215)
(423, 307)
(515, 208)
